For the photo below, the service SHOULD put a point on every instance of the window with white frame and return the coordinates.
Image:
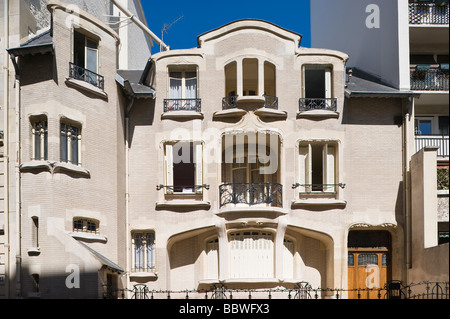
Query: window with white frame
(40, 139)
(70, 143)
(143, 243)
(85, 53)
(317, 167)
(184, 162)
(317, 82)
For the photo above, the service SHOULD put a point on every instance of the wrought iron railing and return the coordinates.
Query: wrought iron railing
(429, 13)
(171, 105)
(429, 78)
(251, 194)
(440, 141)
(271, 102)
(309, 188)
(301, 290)
(170, 189)
(308, 104)
(79, 73)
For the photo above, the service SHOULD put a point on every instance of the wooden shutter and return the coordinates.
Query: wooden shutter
(329, 168)
(169, 168)
(212, 260)
(304, 167)
(328, 83)
(198, 158)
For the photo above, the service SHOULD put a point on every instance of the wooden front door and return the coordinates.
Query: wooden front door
(368, 271)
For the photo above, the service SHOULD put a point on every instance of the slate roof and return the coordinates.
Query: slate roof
(40, 44)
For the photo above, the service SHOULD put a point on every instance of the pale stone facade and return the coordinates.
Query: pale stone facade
(248, 162)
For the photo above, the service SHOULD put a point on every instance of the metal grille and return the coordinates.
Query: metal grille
(171, 105)
(429, 13)
(308, 104)
(85, 75)
(251, 194)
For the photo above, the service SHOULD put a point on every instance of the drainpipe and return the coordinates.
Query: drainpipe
(18, 191)
(6, 144)
(141, 25)
(407, 187)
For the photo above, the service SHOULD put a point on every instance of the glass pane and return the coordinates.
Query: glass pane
(351, 259)
(138, 252)
(175, 89)
(315, 83)
(74, 146)
(191, 88)
(385, 260)
(443, 125)
(91, 60)
(424, 127)
(37, 141)
(150, 251)
(45, 140)
(367, 259)
(63, 143)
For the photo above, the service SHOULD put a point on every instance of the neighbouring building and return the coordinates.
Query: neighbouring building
(247, 165)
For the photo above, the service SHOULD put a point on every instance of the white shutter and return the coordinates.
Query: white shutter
(212, 260)
(328, 83)
(303, 163)
(329, 167)
(198, 158)
(308, 171)
(169, 168)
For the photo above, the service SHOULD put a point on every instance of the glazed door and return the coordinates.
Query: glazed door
(367, 271)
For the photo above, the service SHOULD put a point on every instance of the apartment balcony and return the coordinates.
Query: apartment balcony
(440, 141)
(182, 108)
(430, 78)
(323, 107)
(263, 106)
(429, 12)
(78, 73)
(251, 194)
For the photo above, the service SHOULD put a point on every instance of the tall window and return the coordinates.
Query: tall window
(183, 84)
(144, 251)
(70, 139)
(250, 77)
(40, 139)
(317, 82)
(35, 231)
(85, 52)
(184, 161)
(317, 167)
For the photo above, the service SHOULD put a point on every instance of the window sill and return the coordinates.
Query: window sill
(318, 114)
(270, 113)
(313, 202)
(86, 86)
(34, 251)
(232, 208)
(182, 115)
(89, 237)
(143, 274)
(230, 113)
(188, 203)
(53, 167)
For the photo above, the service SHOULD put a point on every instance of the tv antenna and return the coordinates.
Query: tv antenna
(168, 26)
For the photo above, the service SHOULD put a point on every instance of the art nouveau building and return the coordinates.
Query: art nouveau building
(248, 162)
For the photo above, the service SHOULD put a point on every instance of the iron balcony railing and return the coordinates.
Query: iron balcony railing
(308, 104)
(428, 78)
(80, 73)
(230, 102)
(433, 12)
(172, 105)
(251, 194)
(440, 141)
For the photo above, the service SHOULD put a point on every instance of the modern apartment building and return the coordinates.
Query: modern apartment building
(405, 44)
(249, 164)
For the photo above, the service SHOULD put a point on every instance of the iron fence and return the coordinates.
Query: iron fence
(80, 73)
(171, 105)
(301, 290)
(230, 102)
(309, 104)
(429, 13)
(428, 78)
(251, 194)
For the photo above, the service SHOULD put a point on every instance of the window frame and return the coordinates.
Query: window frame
(148, 265)
(183, 70)
(328, 85)
(85, 223)
(39, 139)
(68, 148)
(86, 37)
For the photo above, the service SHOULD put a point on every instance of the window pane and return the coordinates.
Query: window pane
(150, 251)
(78, 224)
(138, 252)
(191, 88)
(443, 125)
(63, 143)
(91, 60)
(74, 145)
(315, 83)
(367, 259)
(37, 141)
(175, 89)
(424, 127)
(351, 259)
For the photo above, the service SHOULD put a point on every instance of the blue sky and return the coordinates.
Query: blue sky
(199, 17)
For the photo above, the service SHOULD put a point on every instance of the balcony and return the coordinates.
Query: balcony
(430, 78)
(318, 107)
(440, 141)
(232, 102)
(182, 109)
(82, 74)
(251, 194)
(429, 12)
(263, 106)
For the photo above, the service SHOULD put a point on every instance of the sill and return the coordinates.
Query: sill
(317, 202)
(86, 86)
(53, 167)
(188, 203)
(89, 237)
(251, 280)
(251, 100)
(230, 113)
(34, 251)
(314, 114)
(143, 274)
(270, 113)
(182, 115)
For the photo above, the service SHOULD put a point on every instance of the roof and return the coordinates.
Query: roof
(362, 84)
(105, 261)
(40, 44)
(132, 84)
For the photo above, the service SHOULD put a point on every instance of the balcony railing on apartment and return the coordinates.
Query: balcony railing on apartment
(308, 104)
(251, 194)
(230, 102)
(440, 141)
(429, 12)
(172, 105)
(430, 78)
(79, 73)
